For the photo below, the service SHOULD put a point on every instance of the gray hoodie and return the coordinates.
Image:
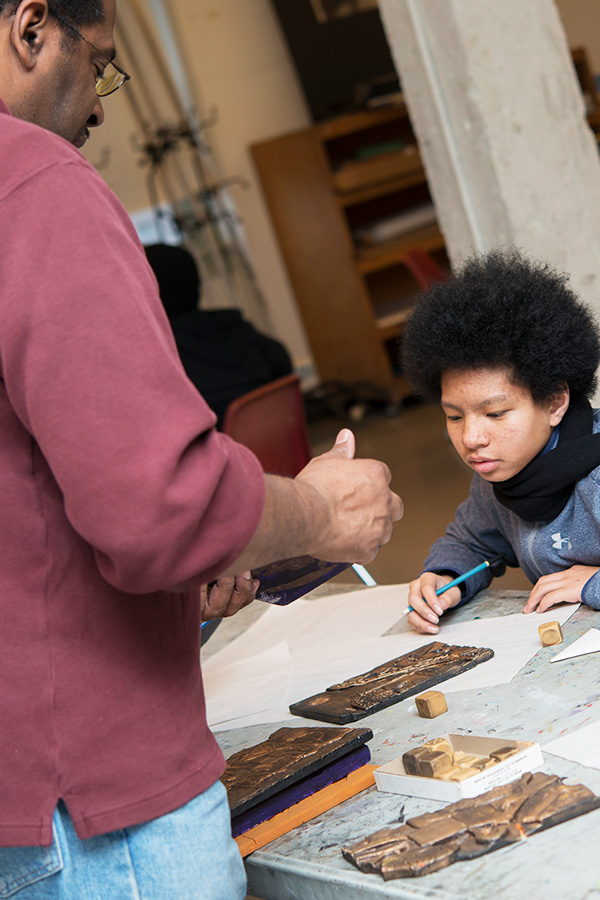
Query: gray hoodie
(483, 528)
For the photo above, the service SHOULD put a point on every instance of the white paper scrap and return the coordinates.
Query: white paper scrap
(587, 643)
(582, 746)
(254, 687)
(315, 625)
(514, 639)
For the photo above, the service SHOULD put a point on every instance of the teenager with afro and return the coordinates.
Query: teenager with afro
(511, 353)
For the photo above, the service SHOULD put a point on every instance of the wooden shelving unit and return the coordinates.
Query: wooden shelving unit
(330, 189)
(340, 194)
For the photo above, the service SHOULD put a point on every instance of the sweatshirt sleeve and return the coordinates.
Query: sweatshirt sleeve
(469, 540)
(90, 366)
(590, 593)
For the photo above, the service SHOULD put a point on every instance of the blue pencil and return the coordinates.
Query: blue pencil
(460, 579)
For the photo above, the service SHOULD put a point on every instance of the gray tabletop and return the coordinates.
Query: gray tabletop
(541, 703)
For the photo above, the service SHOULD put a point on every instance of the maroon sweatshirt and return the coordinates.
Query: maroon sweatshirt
(117, 500)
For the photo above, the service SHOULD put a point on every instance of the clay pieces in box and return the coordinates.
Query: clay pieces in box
(438, 759)
(472, 765)
(390, 682)
(470, 828)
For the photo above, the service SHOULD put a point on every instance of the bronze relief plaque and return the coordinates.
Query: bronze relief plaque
(288, 756)
(390, 682)
(469, 828)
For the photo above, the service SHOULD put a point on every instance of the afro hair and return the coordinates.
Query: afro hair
(502, 310)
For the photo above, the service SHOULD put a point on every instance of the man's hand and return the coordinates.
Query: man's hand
(560, 587)
(354, 506)
(227, 596)
(337, 508)
(427, 606)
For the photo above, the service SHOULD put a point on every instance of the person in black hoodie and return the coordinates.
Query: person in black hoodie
(223, 355)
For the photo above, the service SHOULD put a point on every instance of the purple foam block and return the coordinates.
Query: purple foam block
(283, 582)
(335, 771)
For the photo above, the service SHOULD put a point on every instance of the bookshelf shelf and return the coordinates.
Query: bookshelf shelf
(332, 191)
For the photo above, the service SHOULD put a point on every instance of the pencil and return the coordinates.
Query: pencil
(459, 579)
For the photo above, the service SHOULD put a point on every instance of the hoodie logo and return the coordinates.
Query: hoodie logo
(561, 542)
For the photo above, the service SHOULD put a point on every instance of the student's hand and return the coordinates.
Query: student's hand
(227, 596)
(427, 606)
(560, 587)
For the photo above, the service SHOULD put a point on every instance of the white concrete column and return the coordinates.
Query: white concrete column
(499, 117)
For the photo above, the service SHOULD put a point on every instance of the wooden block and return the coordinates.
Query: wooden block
(410, 760)
(441, 744)
(432, 763)
(431, 704)
(465, 761)
(550, 633)
(451, 774)
(307, 809)
(503, 753)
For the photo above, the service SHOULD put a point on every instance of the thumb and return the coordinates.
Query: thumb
(345, 444)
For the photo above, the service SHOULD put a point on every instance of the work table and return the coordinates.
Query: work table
(542, 702)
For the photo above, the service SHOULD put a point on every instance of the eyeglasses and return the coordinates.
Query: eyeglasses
(105, 84)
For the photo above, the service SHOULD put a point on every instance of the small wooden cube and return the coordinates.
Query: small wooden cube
(457, 756)
(503, 753)
(451, 774)
(431, 704)
(550, 633)
(410, 760)
(433, 763)
(441, 744)
(465, 761)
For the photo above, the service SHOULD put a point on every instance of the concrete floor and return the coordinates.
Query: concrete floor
(428, 475)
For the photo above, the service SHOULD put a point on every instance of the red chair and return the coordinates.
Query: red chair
(271, 421)
(423, 267)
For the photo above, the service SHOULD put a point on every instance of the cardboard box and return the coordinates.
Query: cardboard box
(393, 778)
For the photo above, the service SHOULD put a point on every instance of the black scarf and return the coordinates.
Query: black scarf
(539, 492)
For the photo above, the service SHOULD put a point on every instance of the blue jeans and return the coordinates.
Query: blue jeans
(186, 855)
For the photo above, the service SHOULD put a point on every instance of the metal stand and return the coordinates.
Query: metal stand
(180, 171)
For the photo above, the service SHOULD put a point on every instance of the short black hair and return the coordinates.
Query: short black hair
(74, 12)
(178, 278)
(504, 310)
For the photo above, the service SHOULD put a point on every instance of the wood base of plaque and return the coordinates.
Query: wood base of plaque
(307, 809)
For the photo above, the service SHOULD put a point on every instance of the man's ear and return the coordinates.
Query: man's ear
(558, 406)
(28, 30)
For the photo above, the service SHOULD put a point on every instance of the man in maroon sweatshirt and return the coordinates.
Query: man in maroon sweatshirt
(118, 501)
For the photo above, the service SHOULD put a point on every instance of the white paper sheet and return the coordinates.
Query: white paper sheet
(587, 643)
(293, 652)
(246, 688)
(327, 622)
(514, 640)
(582, 746)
